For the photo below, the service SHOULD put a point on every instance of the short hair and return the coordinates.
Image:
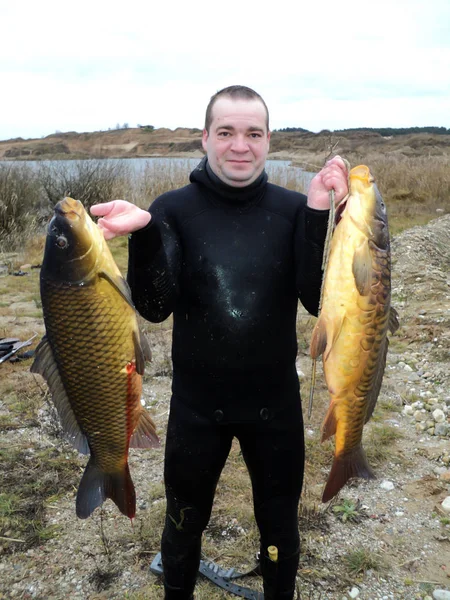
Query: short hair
(234, 91)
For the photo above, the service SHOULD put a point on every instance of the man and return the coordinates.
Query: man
(230, 255)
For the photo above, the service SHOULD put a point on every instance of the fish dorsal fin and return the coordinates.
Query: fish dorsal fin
(362, 268)
(374, 392)
(393, 320)
(45, 364)
(144, 436)
(119, 284)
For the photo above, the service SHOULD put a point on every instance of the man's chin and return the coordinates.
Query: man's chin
(239, 179)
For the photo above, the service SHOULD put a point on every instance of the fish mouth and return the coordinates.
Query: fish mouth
(69, 209)
(362, 172)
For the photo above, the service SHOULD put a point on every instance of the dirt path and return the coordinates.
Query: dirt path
(395, 543)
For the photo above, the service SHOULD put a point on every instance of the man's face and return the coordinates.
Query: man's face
(238, 141)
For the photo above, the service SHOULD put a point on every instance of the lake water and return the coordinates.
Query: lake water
(279, 171)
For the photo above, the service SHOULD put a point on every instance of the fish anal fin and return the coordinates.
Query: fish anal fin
(144, 436)
(362, 268)
(96, 486)
(45, 364)
(393, 323)
(329, 423)
(345, 467)
(318, 339)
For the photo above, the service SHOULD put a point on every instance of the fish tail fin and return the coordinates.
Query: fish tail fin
(346, 466)
(96, 486)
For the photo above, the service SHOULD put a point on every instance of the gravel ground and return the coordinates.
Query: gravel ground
(401, 523)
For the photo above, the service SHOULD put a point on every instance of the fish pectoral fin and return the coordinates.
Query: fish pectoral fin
(374, 392)
(393, 320)
(362, 268)
(145, 346)
(96, 486)
(141, 351)
(318, 339)
(119, 284)
(144, 436)
(329, 423)
(45, 364)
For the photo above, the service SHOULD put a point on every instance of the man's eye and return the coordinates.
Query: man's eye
(224, 133)
(255, 135)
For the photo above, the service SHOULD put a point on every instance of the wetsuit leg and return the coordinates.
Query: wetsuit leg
(196, 451)
(274, 454)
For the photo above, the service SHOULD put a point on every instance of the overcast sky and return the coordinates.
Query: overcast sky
(87, 66)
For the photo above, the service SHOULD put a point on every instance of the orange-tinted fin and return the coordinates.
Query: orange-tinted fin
(362, 268)
(393, 323)
(346, 466)
(329, 423)
(96, 486)
(144, 436)
(45, 364)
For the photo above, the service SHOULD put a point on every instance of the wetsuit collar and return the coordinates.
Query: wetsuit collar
(245, 196)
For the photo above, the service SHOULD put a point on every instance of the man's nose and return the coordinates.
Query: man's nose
(239, 144)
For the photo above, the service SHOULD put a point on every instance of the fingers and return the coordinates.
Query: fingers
(101, 210)
(335, 177)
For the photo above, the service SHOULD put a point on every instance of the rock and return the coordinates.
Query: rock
(442, 429)
(389, 486)
(408, 368)
(354, 592)
(408, 410)
(441, 595)
(438, 416)
(420, 415)
(446, 506)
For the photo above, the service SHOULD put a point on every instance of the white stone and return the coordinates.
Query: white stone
(441, 595)
(408, 409)
(446, 504)
(418, 405)
(408, 368)
(387, 485)
(354, 592)
(438, 416)
(420, 415)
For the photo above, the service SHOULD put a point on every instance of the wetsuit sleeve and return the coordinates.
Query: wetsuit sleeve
(309, 245)
(154, 260)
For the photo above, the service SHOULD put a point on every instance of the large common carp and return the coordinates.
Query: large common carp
(351, 332)
(93, 357)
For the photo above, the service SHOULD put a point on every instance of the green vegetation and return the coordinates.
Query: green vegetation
(348, 510)
(361, 560)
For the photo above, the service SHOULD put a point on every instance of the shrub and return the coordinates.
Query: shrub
(90, 181)
(19, 198)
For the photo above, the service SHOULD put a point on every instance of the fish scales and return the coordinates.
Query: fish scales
(79, 321)
(93, 357)
(351, 331)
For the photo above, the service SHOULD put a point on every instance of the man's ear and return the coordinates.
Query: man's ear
(205, 136)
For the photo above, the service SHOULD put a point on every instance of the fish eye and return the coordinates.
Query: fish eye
(61, 242)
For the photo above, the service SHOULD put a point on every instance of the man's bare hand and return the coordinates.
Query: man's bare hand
(333, 176)
(119, 217)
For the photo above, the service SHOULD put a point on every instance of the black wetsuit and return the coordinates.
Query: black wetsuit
(231, 264)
